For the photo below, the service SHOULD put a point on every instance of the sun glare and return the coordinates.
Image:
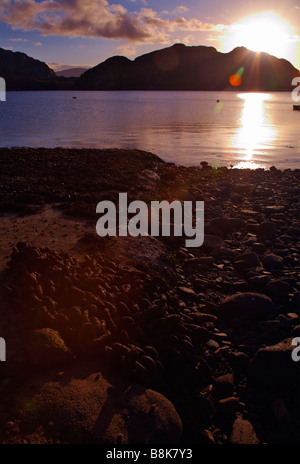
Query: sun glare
(255, 132)
(263, 32)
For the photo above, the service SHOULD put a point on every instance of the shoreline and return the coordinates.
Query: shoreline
(139, 339)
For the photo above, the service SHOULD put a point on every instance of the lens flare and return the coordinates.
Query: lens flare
(236, 79)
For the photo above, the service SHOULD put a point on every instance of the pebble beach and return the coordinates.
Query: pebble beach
(141, 340)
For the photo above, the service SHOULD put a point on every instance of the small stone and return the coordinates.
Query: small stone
(212, 344)
(212, 242)
(258, 247)
(267, 230)
(223, 386)
(272, 261)
(187, 291)
(274, 209)
(247, 260)
(229, 405)
(278, 290)
(296, 331)
(243, 433)
(239, 360)
(259, 281)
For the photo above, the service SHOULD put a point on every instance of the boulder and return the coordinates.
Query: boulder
(90, 410)
(247, 306)
(243, 433)
(278, 290)
(46, 348)
(273, 366)
(272, 261)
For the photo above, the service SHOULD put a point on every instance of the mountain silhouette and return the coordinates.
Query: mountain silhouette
(178, 67)
(71, 72)
(23, 72)
(191, 68)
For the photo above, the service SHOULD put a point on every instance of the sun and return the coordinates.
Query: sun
(262, 32)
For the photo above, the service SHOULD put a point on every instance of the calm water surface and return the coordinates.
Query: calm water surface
(223, 128)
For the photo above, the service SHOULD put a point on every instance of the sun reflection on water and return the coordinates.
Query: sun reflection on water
(255, 131)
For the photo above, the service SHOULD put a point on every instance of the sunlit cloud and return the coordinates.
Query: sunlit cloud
(127, 49)
(58, 66)
(97, 18)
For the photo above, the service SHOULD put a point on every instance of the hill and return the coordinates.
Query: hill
(23, 72)
(191, 68)
(175, 68)
(71, 72)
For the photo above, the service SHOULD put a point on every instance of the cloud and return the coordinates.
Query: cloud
(38, 44)
(127, 49)
(18, 40)
(181, 9)
(96, 18)
(58, 66)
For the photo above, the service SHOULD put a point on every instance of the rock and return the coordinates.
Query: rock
(258, 247)
(151, 175)
(259, 281)
(227, 225)
(293, 318)
(243, 433)
(273, 366)
(272, 261)
(247, 260)
(296, 331)
(278, 290)
(46, 348)
(248, 306)
(228, 406)
(223, 386)
(212, 344)
(266, 230)
(212, 242)
(239, 360)
(90, 410)
(186, 291)
(274, 209)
